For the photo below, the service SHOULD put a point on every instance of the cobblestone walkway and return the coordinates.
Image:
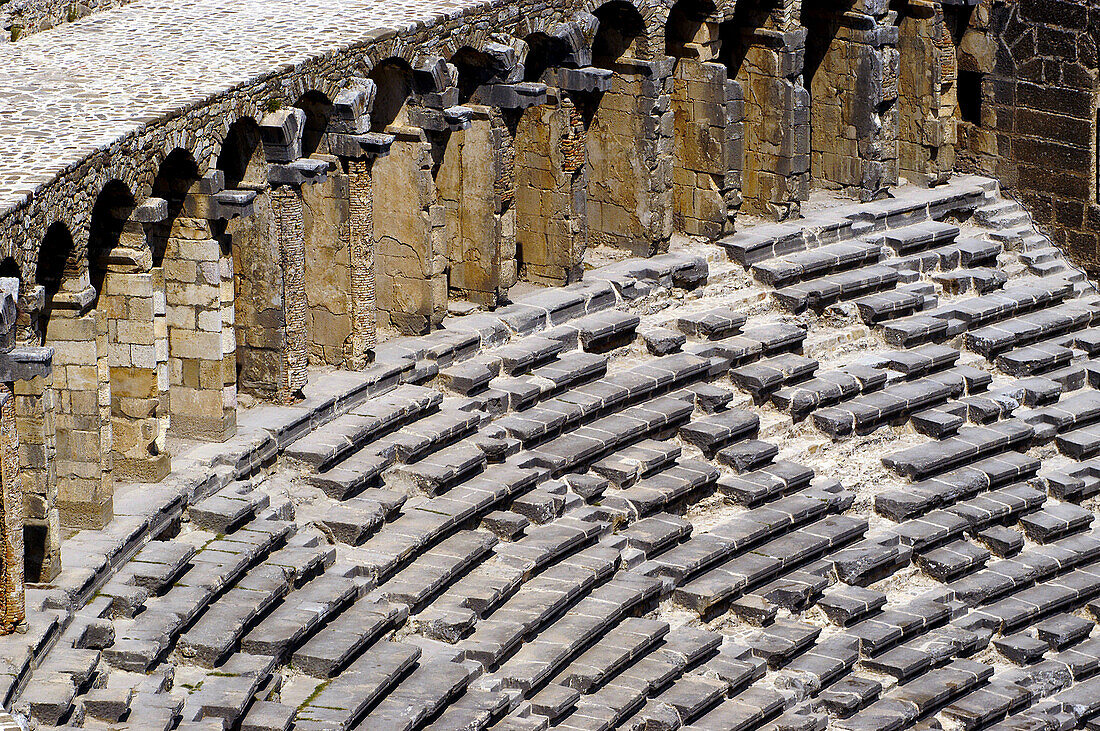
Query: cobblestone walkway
(72, 90)
(836, 471)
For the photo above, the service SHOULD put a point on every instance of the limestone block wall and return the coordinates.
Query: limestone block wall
(1032, 92)
(550, 192)
(34, 423)
(360, 246)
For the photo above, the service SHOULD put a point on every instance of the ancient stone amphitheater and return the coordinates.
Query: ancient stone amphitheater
(549, 364)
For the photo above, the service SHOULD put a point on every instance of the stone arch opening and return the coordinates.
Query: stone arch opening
(318, 109)
(131, 338)
(175, 178)
(410, 285)
(551, 230)
(475, 186)
(629, 202)
(703, 119)
(926, 92)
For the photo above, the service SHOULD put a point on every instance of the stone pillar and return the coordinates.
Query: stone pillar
(852, 62)
(766, 51)
(34, 421)
(630, 158)
(83, 458)
(133, 357)
(927, 71)
(201, 370)
(550, 189)
(410, 272)
(708, 114)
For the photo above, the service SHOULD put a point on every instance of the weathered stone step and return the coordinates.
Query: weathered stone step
(434, 569)
(280, 633)
(812, 263)
(421, 695)
(916, 237)
(971, 444)
(819, 293)
(331, 648)
(342, 703)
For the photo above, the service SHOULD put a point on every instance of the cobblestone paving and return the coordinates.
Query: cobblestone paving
(72, 90)
(845, 476)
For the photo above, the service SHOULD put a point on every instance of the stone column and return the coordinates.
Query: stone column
(853, 88)
(83, 458)
(202, 372)
(34, 420)
(550, 186)
(630, 159)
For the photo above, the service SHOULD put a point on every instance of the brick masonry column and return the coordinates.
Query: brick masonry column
(286, 206)
(360, 232)
(13, 612)
(198, 280)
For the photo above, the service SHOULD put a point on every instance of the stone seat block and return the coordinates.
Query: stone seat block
(228, 509)
(713, 432)
(625, 466)
(765, 483)
(823, 291)
(954, 559)
(430, 572)
(606, 329)
(803, 265)
(329, 650)
(769, 374)
(414, 441)
(970, 444)
(342, 703)
(214, 635)
(664, 489)
(713, 324)
(1055, 521)
(278, 634)
(353, 520)
(525, 353)
(631, 638)
(439, 470)
(570, 369)
(352, 475)
(918, 236)
(882, 306)
(1029, 328)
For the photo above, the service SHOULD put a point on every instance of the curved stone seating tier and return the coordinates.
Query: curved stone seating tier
(534, 518)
